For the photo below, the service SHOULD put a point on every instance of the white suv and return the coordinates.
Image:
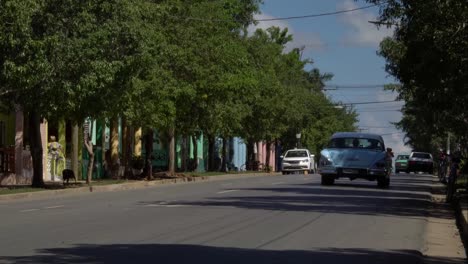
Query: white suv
(297, 160)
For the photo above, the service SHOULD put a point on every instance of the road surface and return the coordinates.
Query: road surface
(274, 219)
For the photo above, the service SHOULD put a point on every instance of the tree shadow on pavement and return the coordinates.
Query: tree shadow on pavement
(346, 198)
(159, 253)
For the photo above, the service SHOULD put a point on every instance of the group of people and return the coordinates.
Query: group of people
(449, 164)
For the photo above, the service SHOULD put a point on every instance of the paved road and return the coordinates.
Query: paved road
(277, 219)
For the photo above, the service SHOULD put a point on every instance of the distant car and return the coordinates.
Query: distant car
(297, 160)
(420, 161)
(401, 163)
(354, 155)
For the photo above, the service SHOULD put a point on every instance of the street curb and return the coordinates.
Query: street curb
(129, 186)
(442, 236)
(461, 209)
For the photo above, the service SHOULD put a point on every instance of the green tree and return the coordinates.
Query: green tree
(427, 54)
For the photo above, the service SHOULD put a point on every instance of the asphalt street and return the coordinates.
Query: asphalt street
(273, 219)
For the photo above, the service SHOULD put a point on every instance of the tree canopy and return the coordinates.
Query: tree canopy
(428, 54)
(186, 65)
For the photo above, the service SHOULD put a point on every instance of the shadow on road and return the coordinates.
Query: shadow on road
(157, 253)
(402, 200)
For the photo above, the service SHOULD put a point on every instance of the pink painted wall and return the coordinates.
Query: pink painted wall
(262, 154)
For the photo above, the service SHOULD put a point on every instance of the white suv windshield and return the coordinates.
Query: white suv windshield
(296, 154)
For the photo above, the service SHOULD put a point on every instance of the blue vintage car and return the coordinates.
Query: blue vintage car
(355, 155)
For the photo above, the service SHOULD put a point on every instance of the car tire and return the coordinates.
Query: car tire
(284, 172)
(383, 182)
(397, 171)
(327, 180)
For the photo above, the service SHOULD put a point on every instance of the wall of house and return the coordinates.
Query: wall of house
(8, 121)
(239, 153)
(263, 154)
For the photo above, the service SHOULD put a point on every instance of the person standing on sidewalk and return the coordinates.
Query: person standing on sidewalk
(55, 156)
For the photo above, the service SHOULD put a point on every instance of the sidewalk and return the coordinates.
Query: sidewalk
(127, 186)
(443, 240)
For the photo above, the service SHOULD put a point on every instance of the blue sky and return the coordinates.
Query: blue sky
(345, 45)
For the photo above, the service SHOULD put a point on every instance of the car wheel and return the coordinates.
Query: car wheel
(397, 171)
(383, 182)
(327, 180)
(284, 172)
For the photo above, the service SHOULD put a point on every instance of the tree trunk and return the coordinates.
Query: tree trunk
(211, 154)
(224, 156)
(36, 149)
(184, 154)
(123, 162)
(267, 158)
(171, 168)
(195, 153)
(89, 147)
(149, 155)
(250, 152)
(114, 147)
(129, 152)
(75, 150)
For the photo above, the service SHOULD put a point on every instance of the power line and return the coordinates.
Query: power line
(320, 15)
(377, 126)
(372, 111)
(363, 86)
(283, 18)
(373, 102)
(396, 133)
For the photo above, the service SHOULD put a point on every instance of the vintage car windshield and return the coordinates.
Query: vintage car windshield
(421, 155)
(402, 157)
(296, 154)
(362, 143)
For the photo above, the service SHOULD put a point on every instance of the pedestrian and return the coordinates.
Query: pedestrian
(55, 155)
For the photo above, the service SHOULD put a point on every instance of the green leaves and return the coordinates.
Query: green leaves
(157, 65)
(428, 56)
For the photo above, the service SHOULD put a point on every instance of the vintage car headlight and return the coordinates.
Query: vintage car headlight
(305, 161)
(324, 161)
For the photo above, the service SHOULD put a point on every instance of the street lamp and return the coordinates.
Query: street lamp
(298, 137)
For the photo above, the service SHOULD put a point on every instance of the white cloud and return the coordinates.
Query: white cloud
(361, 32)
(311, 41)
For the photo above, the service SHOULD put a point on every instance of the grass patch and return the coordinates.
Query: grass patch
(109, 182)
(14, 190)
(462, 182)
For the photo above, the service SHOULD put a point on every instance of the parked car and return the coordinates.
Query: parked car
(297, 160)
(355, 155)
(401, 163)
(420, 161)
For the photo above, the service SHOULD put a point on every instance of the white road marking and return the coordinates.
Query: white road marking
(166, 205)
(277, 183)
(227, 191)
(226, 184)
(29, 210)
(53, 207)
